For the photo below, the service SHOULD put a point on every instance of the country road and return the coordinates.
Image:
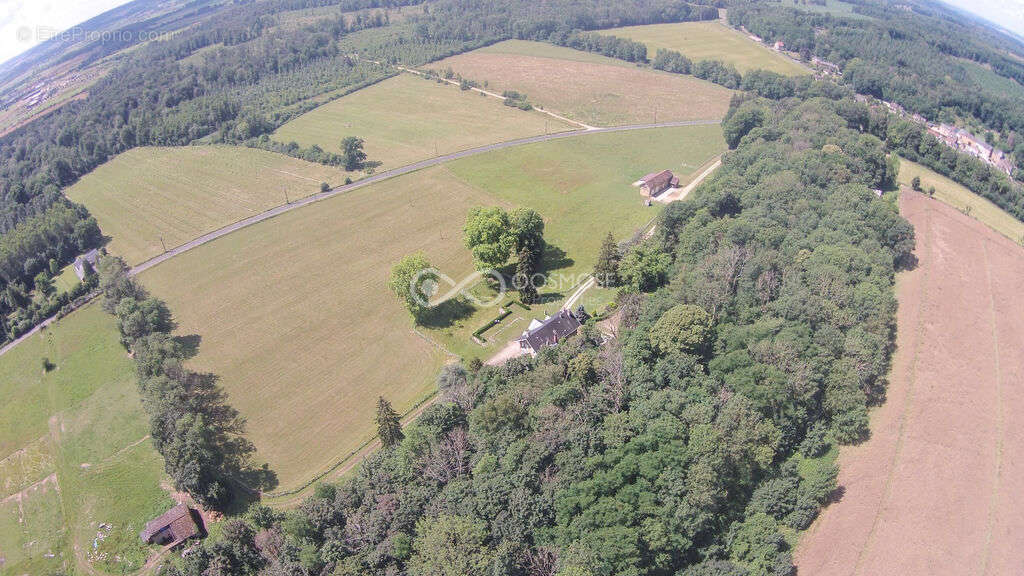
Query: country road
(379, 177)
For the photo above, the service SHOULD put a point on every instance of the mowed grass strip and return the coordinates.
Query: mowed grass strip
(295, 315)
(406, 119)
(711, 40)
(961, 198)
(180, 193)
(91, 463)
(589, 88)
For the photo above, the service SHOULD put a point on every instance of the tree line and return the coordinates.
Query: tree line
(199, 435)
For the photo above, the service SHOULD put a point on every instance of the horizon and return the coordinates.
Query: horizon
(25, 24)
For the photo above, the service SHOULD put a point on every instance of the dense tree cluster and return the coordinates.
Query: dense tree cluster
(199, 435)
(691, 444)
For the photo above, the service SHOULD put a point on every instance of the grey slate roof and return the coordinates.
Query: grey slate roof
(551, 331)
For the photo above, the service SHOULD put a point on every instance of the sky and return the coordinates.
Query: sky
(25, 23)
(1007, 13)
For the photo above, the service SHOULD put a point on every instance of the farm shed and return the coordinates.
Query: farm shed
(170, 528)
(657, 182)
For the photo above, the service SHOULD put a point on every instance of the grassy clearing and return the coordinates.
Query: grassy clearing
(295, 316)
(962, 199)
(180, 193)
(710, 41)
(33, 539)
(405, 119)
(603, 91)
(833, 7)
(87, 463)
(66, 280)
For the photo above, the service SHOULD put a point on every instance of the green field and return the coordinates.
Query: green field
(405, 119)
(180, 193)
(76, 460)
(710, 41)
(833, 7)
(602, 91)
(961, 198)
(294, 313)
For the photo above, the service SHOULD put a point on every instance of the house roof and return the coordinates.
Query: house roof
(658, 179)
(551, 330)
(178, 520)
(91, 257)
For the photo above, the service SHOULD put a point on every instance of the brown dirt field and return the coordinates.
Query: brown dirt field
(934, 491)
(594, 93)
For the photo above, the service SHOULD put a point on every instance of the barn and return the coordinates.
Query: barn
(170, 528)
(657, 182)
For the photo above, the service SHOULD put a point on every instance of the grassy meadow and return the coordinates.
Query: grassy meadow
(295, 315)
(603, 91)
(78, 475)
(961, 198)
(833, 7)
(405, 119)
(66, 280)
(711, 40)
(179, 193)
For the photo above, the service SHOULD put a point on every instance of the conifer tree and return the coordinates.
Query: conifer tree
(524, 276)
(606, 271)
(389, 428)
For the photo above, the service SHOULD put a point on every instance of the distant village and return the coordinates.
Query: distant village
(952, 136)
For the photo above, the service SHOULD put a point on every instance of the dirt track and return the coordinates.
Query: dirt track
(935, 489)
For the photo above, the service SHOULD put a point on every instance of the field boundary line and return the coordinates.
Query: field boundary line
(500, 97)
(994, 497)
(346, 463)
(904, 414)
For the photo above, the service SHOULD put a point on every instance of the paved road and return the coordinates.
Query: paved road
(378, 177)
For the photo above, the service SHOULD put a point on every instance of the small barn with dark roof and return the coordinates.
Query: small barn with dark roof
(170, 528)
(657, 182)
(551, 331)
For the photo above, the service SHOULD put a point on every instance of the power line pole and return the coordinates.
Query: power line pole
(162, 244)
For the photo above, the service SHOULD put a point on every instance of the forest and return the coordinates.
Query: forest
(755, 330)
